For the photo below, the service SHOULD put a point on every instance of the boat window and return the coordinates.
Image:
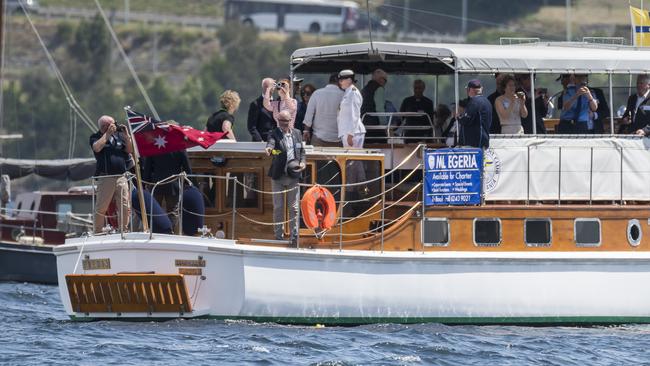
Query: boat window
(328, 172)
(487, 232)
(634, 232)
(537, 232)
(207, 187)
(587, 232)
(435, 231)
(247, 197)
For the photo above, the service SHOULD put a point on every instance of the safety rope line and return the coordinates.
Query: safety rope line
(373, 231)
(229, 213)
(418, 167)
(263, 222)
(350, 219)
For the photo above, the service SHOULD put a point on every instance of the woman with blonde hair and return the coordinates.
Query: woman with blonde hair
(223, 120)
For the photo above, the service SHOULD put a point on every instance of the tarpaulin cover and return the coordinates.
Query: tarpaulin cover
(60, 169)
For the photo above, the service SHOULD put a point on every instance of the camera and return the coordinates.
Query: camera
(521, 94)
(280, 85)
(121, 128)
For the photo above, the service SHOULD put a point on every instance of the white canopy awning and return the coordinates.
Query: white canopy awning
(434, 58)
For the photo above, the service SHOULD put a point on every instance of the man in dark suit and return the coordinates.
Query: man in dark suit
(496, 121)
(637, 112)
(260, 120)
(286, 147)
(475, 123)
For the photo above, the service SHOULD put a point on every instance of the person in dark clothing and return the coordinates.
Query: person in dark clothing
(421, 104)
(637, 112)
(541, 106)
(159, 167)
(260, 120)
(496, 121)
(474, 129)
(374, 101)
(286, 147)
(223, 120)
(112, 149)
(602, 112)
(305, 95)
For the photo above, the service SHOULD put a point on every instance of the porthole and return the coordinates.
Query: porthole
(634, 232)
(538, 232)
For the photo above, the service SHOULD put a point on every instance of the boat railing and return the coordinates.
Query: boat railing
(183, 178)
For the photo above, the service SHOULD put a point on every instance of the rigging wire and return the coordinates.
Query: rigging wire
(72, 102)
(127, 61)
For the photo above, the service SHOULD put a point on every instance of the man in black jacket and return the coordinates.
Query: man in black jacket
(374, 101)
(474, 129)
(637, 112)
(286, 147)
(260, 120)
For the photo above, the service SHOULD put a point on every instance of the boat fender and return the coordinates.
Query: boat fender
(318, 208)
(161, 222)
(193, 211)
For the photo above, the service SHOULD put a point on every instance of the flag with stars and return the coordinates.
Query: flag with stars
(161, 137)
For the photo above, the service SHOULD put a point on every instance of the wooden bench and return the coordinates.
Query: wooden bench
(128, 293)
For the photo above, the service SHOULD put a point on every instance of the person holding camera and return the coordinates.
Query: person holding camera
(112, 146)
(286, 147)
(579, 105)
(511, 106)
(285, 103)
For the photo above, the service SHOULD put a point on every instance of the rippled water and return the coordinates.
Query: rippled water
(36, 331)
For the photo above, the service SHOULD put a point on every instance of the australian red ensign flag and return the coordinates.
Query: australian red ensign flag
(153, 137)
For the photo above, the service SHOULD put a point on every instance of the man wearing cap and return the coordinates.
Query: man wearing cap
(475, 122)
(351, 129)
(374, 101)
(320, 125)
(285, 145)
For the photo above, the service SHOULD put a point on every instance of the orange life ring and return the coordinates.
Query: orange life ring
(314, 217)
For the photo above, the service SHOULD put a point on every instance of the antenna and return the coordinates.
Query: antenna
(372, 47)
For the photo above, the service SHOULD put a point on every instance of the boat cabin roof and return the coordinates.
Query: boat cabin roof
(440, 58)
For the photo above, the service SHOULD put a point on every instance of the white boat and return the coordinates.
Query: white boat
(556, 237)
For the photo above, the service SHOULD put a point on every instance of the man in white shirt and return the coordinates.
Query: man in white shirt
(320, 123)
(351, 129)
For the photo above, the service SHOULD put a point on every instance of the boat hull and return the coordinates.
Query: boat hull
(358, 287)
(27, 263)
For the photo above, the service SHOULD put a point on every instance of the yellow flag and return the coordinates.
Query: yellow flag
(640, 26)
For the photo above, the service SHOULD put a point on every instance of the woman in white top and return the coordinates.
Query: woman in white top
(511, 107)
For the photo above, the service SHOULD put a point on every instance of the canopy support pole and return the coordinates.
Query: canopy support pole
(532, 102)
(435, 94)
(611, 105)
(457, 99)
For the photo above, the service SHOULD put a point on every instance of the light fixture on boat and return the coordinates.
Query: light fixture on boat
(218, 161)
(447, 60)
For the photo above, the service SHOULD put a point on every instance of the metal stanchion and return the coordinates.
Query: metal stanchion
(234, 208)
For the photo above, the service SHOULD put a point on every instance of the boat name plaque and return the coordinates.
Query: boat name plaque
(453, 176)
(190, 262)
(191, 271)
(93, 264)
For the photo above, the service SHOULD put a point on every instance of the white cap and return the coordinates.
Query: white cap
(344, 74)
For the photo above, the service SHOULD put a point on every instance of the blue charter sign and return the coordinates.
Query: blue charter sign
(453, 176)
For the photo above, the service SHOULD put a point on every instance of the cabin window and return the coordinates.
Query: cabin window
(328, 172)
(634, 232)
(361, 197)
(587, 232)
(435, 231)
(487, 232)
(246, 195)
(538, 232)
